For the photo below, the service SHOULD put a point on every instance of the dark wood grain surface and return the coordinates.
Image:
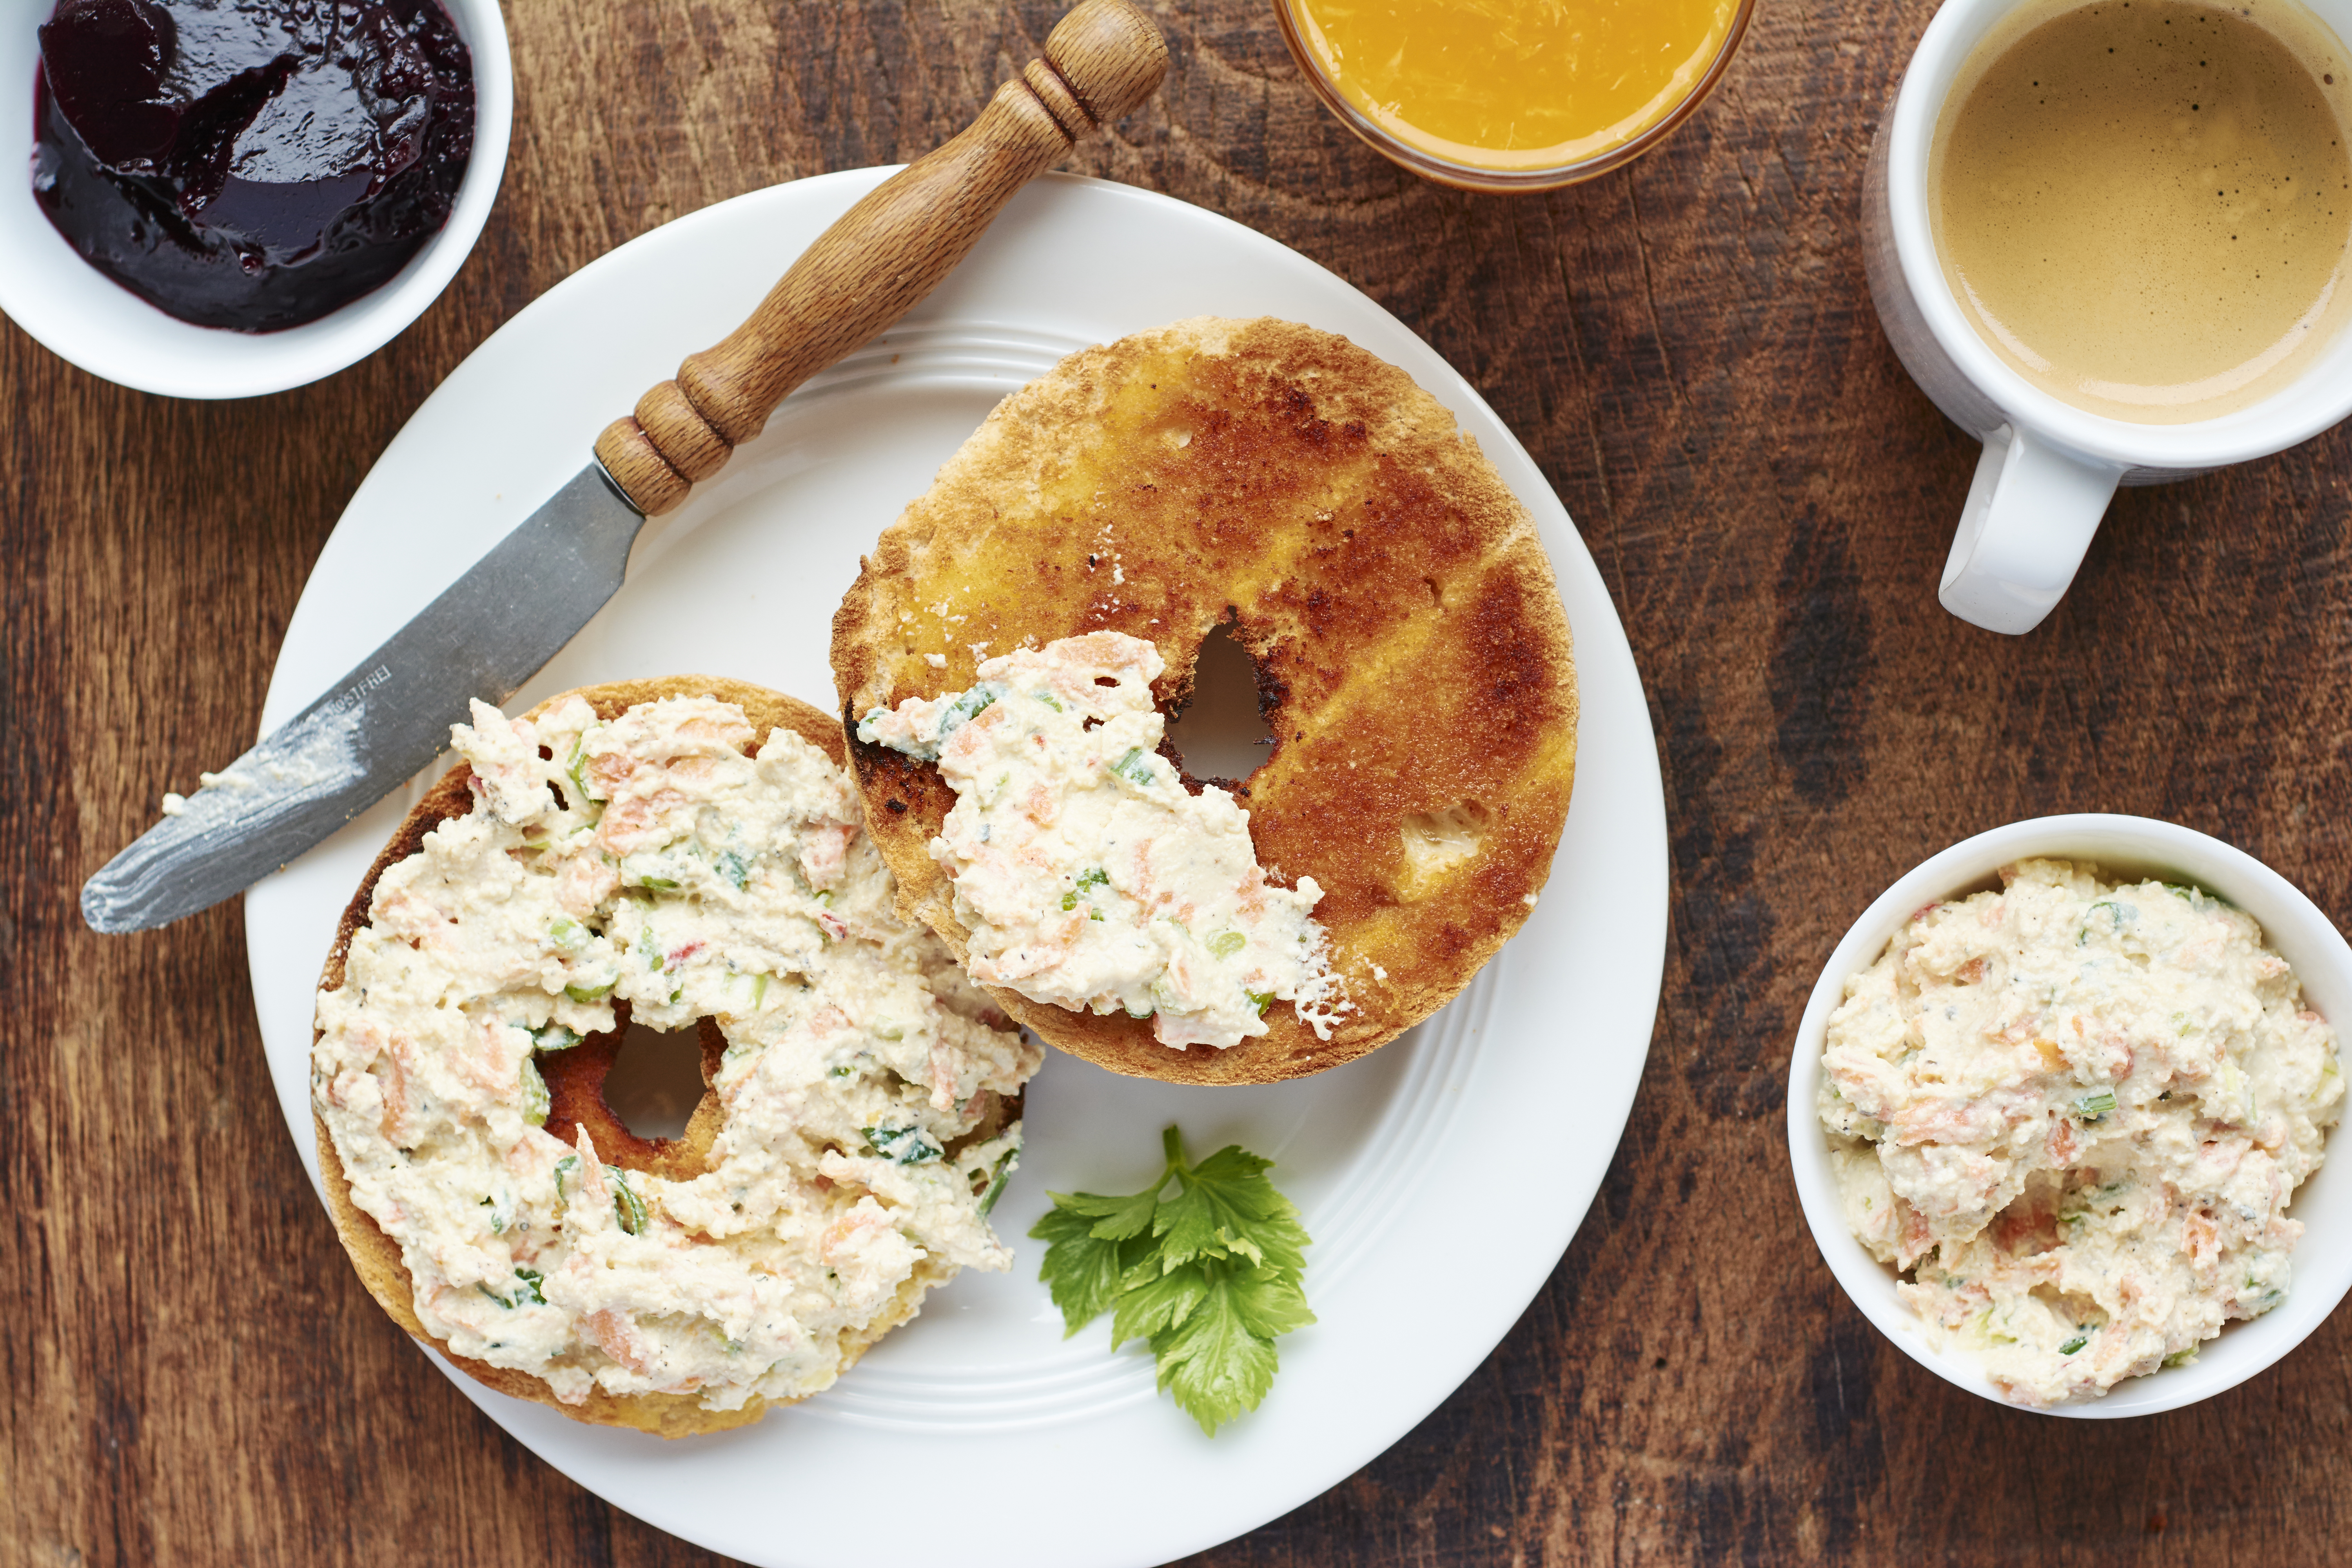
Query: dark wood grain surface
(1687, 346)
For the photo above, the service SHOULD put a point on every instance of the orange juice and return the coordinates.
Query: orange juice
(1514, 84)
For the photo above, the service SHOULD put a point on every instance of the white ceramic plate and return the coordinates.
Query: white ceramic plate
(1440, 1177)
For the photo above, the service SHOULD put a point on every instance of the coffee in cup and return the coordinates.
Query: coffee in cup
(2053, 458)
(2145, 207)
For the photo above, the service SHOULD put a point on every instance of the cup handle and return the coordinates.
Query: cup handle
(2029, 515)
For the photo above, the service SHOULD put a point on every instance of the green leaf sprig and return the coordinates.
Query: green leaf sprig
(1209, 1277)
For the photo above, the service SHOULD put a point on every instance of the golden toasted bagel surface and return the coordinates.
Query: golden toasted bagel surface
(577, 1100)
(1413, 662)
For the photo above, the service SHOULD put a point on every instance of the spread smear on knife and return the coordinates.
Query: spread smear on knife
(1088, 876)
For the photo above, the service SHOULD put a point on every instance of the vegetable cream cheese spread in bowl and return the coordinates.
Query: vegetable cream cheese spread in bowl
(2120, 1174)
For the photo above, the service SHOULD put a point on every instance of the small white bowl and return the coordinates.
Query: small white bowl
(2304, 937)
(82, 315)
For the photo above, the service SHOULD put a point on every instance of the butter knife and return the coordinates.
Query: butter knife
(514, 610)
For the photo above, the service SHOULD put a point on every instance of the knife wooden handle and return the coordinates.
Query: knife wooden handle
(1101, 61)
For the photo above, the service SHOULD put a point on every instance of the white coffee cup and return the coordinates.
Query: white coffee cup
(2049, 469)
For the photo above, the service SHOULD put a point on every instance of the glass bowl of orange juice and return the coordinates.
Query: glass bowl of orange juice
(1512, 95)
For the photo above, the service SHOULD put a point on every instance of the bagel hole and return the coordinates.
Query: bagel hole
(655, 1080)
(1221, 734)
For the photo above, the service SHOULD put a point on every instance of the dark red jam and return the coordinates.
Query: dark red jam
(250, 164)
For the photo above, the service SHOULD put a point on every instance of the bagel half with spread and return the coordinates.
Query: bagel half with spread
(1413, 662)
(688, 850)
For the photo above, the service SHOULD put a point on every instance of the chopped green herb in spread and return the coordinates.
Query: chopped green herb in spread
(535, 1101)
(907, 1145)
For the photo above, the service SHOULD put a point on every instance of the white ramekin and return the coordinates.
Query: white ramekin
(82, 315)
(2304, 937)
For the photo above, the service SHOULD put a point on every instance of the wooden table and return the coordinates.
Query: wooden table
(1688, 350)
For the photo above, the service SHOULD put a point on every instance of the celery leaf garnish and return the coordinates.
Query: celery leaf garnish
(1209, 1276)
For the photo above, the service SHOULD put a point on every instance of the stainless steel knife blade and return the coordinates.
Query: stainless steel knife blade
(489, 632)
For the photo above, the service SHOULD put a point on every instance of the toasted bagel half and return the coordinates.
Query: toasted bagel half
(575, 1079)
(1413, 662)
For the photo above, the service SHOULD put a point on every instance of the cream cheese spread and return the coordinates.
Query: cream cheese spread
(2074, 1112)
(649, 860)
(1089, 877)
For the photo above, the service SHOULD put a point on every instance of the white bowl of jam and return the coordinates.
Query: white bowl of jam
(1512, 95)
(188, 221)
